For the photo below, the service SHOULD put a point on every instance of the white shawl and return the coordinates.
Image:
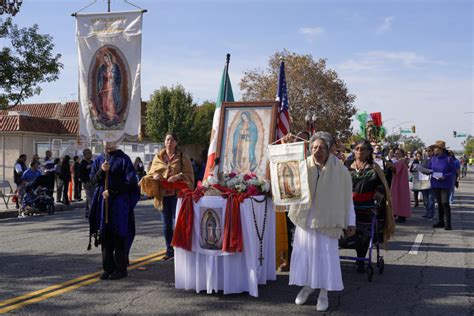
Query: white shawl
(332, 191)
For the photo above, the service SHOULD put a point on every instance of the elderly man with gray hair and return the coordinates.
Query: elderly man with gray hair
(319, 224)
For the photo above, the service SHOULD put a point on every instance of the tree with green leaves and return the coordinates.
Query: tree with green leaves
(393, 139)
(413, 143)
(202, 123)
(170, 110)
(311, 87)
(468, 145)
(25, 62)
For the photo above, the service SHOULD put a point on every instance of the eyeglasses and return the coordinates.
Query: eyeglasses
(360, 148)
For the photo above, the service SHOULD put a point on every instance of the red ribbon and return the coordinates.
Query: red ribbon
(178, 185)
(233, 239)
(183, 232)
(363, 197)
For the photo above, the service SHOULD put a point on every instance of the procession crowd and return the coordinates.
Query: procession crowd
(345, 188)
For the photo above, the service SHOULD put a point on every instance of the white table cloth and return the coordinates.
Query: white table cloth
(233, 272)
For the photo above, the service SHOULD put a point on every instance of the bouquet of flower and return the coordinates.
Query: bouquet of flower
(241, 182)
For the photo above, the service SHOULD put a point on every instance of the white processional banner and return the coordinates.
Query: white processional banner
(289, 174)
(109, 47)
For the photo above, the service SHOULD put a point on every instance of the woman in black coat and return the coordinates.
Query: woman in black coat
(65, 177)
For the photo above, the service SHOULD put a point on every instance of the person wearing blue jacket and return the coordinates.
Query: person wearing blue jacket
(114, 229)
(442, 173)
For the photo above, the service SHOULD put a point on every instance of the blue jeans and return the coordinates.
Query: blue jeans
(451, 194)
(167, 218)
(429, 199)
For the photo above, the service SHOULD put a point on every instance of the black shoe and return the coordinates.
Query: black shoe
(447, 227)
(105, 276)
(360, 266)
(168, 258)
(117, 276)
(438, 225)
(400, 219)
(416, 205)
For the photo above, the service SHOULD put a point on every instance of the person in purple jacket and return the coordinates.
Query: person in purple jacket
(442, 170)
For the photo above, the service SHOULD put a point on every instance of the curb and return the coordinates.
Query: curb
(59, 207)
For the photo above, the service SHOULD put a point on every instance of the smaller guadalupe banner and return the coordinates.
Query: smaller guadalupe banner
(109, 47)
(288, 174)
(209, 226)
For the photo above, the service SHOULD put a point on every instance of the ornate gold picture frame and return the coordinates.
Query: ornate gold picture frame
(245, 130)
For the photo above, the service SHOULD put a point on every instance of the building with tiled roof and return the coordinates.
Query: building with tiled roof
(34, 128)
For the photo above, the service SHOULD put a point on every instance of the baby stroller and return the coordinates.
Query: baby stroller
(44, 201)
(36, 199)
(369, 232)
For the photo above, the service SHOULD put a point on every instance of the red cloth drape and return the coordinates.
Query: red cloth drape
(183, 232)
(233, 239)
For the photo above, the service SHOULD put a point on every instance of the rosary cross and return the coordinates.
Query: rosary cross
(260, 258)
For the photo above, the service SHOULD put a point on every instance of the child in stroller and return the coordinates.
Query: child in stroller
(36, 201)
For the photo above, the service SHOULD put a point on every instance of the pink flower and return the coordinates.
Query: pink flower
(252, 190)
(232, 175)
(248, 176)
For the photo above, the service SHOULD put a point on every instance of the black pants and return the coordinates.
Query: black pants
(167, 218)
(114, 253)
(444, 210)
(290, 228)
(362, 242)
(77, 188)
(66, 191)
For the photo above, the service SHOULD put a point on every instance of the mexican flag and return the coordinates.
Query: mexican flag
(225, 95)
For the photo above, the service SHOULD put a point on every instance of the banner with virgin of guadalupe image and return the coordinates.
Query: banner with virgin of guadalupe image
(288, 173)
(109, 51)
(209, 218)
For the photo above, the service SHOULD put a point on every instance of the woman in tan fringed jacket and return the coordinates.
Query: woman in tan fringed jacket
(174, 166)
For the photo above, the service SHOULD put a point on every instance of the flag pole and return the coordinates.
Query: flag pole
(106, 186)
(227, 60)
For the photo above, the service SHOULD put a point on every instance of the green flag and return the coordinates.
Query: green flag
(225, 95)
(225, 85)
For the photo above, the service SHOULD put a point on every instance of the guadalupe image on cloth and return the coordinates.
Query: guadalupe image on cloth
(288, 174)
(211, 229)
(108, 92)
(289, 180)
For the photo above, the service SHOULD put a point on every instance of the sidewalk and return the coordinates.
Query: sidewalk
(59, 207)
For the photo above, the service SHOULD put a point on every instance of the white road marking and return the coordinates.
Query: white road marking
(416, 245)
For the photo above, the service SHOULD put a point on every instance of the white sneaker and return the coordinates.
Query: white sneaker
(303, 295)
(323, 304)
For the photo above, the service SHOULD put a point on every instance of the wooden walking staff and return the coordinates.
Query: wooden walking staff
(106, 186)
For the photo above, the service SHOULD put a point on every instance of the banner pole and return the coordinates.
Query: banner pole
(227, 60)
(106, 186)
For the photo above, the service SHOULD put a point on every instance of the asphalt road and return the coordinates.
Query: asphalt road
(42, 251)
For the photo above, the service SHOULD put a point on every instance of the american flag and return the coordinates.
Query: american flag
(283, 120)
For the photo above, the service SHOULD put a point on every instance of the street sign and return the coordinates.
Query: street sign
(461, 135)
(405, 131)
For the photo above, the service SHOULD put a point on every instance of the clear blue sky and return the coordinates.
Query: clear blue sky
(412, 60)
